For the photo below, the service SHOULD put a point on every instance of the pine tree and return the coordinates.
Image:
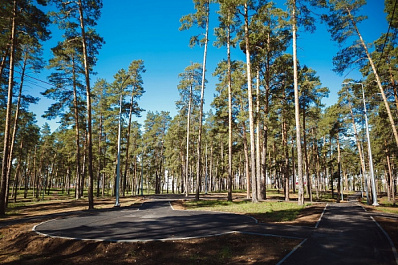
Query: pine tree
(83, 15)
(201, 19)
(342, 22)
(25, 17)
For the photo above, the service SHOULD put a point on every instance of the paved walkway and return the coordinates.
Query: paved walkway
(346, 233)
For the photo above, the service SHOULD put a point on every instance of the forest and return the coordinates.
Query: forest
(267, 127)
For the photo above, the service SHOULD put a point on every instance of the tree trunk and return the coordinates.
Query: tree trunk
(286, 166)
(198, 162)
(99, 156)
(229, 113)
(307, 166)
(14, 132)
(260, 186)
(246, 151)
(251, 118)
(88, 95)
(338, 168)
(360, 151)
(27, 174)
(265, 122)
(297, 111)
(391, 119)
(4, 59)
(391, 179)
(126, 166)
(4, 181)
(77, 131)
(188, 134)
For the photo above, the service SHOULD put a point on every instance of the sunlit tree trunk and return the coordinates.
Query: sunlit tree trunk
(286, 163)
(199, 161)
(229, 114)
(307, 166)
(247, 160)
(4, 181)
(251, 118)
(297, 111)
(258, 150)
(390, 117)
(360, 151)
(88, 95)
(77, 130)
(338, 167)
(187, 187)
(126, 166)
(15, 129)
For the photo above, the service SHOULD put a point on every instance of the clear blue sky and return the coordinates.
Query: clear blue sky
(148, 30)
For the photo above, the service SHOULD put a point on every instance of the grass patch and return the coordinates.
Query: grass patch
(275, 211)
(385, 205)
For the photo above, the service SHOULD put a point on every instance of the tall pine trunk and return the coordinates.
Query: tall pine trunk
(15, 129)
(126, 166)
(258, 150)
(229, 113)
(391, 119)
(198, 162)
(187, 147)
(360, 151)
(251, 118)
(297, 111)
(307, 164)
(77, 130)
(338, 167)
(88, 95)
(4, 181)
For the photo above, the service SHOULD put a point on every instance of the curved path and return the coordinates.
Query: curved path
(155, 220)
(345, 234)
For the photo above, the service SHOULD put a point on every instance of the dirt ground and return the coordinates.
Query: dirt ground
(20, 245)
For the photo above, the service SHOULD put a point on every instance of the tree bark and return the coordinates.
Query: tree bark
(391, 119)
(202, 91)
(360, 151)
(15, 129)
(229, 113)
(247, 161)
(307, 164)
(260, 194)
(251, 118)
(4, 181)
(126, 166)
(338, 168)
(297, 111)
(88, 95)
(77, 130)
(286, 165)
(188, 134)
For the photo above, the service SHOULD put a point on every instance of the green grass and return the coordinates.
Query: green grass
(276, 211)
(384, 205)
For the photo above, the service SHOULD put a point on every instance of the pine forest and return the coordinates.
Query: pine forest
(265, 129)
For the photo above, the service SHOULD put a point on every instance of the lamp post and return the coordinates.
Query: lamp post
(375, 203)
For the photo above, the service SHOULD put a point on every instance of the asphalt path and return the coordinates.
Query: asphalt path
(346, 234)
(154, 220)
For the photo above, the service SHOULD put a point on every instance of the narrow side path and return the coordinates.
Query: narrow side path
(346, 235)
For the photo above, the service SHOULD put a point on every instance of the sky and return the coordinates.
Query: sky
(149, 30)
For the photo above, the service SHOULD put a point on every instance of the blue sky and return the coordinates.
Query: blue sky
(148, 30)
